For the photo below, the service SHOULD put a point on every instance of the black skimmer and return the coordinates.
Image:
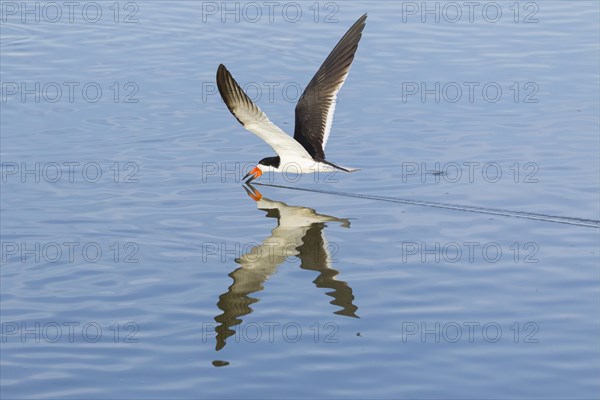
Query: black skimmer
(305, 152)
(299, 233)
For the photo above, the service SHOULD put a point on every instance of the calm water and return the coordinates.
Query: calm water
(134, 264)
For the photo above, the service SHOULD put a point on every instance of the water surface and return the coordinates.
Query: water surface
(202, 292)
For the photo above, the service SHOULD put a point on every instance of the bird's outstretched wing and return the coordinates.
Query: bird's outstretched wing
(254, 120)
(314, 111)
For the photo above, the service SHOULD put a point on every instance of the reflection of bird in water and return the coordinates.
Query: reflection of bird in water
(299, 233)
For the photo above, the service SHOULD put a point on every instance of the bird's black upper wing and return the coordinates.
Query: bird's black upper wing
(314, 111)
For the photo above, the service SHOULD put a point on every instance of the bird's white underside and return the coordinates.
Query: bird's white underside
(284, 145)
(298, 166)
(294, 157)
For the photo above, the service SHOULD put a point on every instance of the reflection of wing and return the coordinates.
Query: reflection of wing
(295, 235)
(256, 267)
(314, 256)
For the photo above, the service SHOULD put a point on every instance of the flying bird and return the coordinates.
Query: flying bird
(305, 152)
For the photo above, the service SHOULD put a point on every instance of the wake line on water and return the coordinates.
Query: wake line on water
(590, 223)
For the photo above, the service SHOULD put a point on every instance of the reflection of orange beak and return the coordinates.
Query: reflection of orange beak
(253, 193)
(255, 173)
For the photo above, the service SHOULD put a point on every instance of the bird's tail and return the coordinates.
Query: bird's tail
(348, 169)
(345, 169)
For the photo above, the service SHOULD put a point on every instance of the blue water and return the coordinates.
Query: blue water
(130, 251)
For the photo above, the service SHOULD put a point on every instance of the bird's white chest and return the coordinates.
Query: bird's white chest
(300, 166)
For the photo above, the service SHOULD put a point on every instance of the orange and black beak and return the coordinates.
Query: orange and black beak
(255, 174)
(252, 192)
